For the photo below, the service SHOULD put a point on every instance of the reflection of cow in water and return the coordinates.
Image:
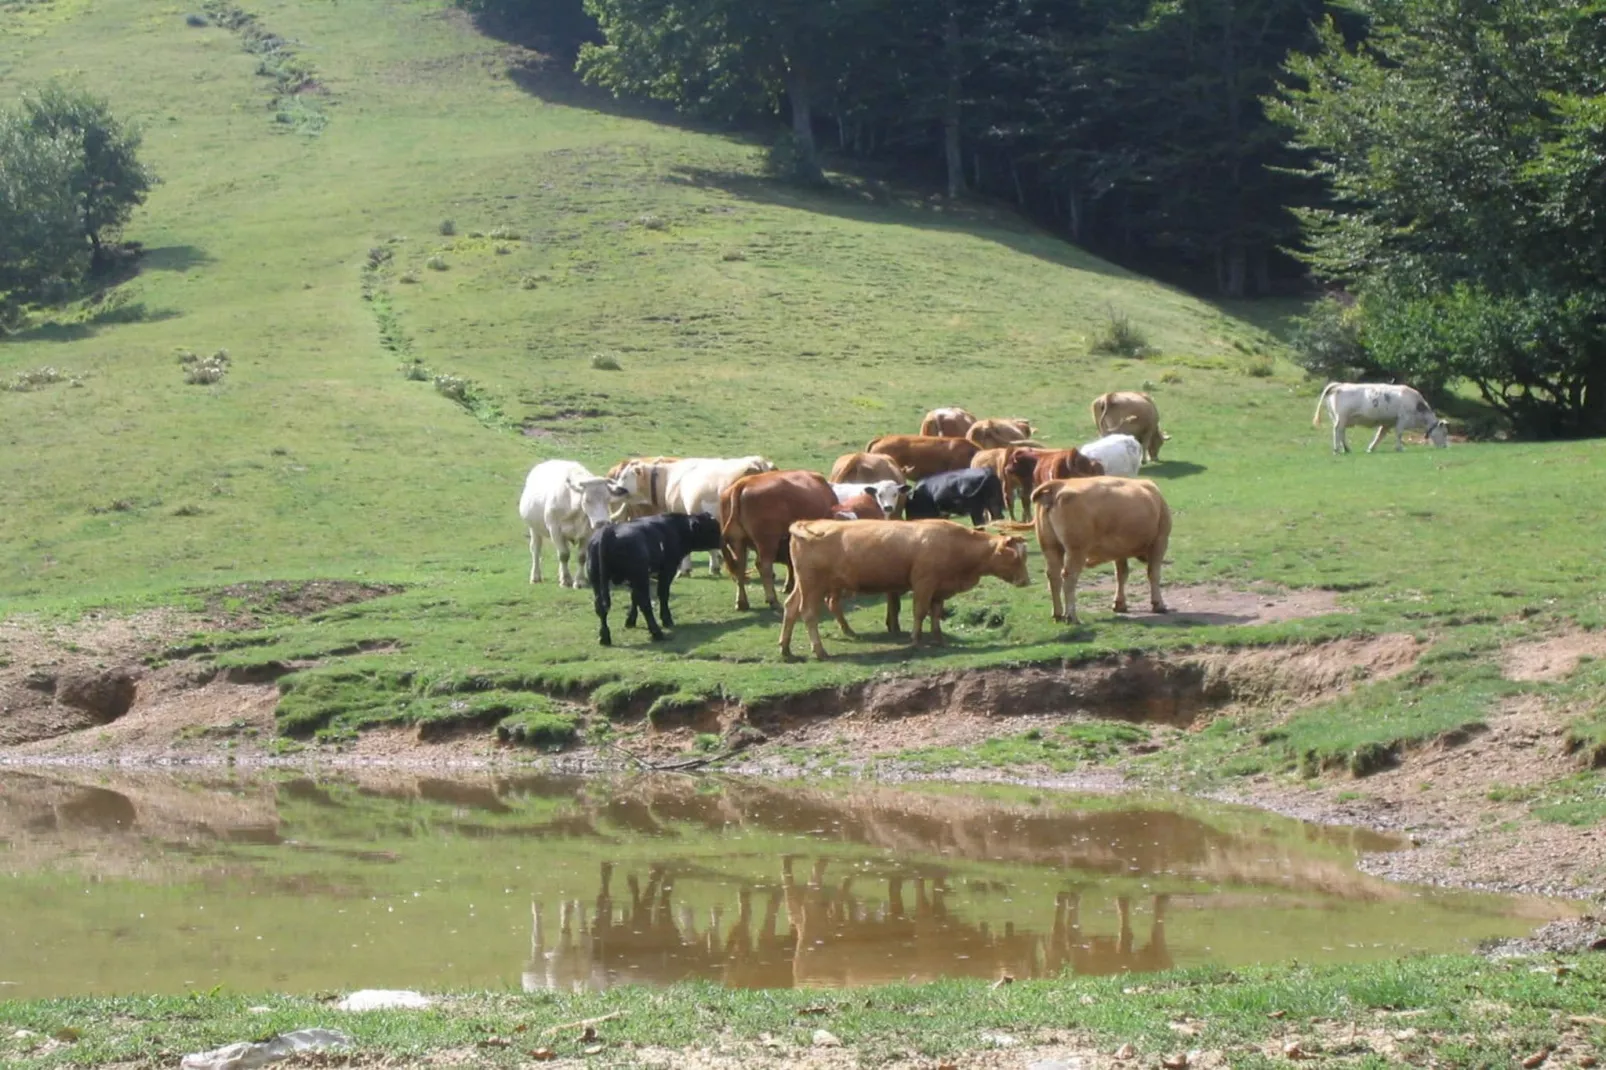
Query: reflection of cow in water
(833, 938)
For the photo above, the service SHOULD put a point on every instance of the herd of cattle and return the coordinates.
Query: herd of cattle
(865, 530)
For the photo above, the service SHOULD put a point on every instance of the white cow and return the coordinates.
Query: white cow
(1121, 455)
(693, 485)
(566, 503)
(1368, 404)
(886, 493)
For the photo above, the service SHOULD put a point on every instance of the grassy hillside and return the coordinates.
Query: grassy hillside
(743, 316)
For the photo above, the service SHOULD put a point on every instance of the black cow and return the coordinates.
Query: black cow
(972, 492)
(629, 553)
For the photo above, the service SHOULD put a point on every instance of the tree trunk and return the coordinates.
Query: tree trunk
(1020, 190)
(1592, 412)
(1236, 269)
(953, 57)
(1074, 203)
(808, 157)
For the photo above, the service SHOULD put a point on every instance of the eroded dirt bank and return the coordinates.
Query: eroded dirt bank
(90, 694)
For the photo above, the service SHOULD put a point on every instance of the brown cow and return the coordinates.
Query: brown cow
(636, 508)
(756, 511)
(946, 423)
(998, 461)
(1127, 412)
(1034, 467)
(923, 455)
(1086, 522)
(862, 506)
(932, 559)
(991, 434)
(866, 468)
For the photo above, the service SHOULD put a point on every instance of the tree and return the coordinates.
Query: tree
(1462, 145)
(42, 248)
(107, 177)
(729, 56)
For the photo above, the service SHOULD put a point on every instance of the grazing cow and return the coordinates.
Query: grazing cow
(694, 484)
(974, 492)
(866, 468)
(991, 434)
(946, 423)
(1035, 467)
(628, 473)
(757, 511)
(1128, 412)
(1121, 455)
(932, 559)
(923, 455)
(889, 495)
(1377, 403)
(632, 552)
(1086, 522)
(566, 503)
(998, 461)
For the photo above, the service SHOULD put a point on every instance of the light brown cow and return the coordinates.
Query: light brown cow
(637, 507)
(1015, 490)
(866, 468)
(924, 455)
(932, 559)
(757, 511)
(1086, 522)
(946, 423)
(1127, 412)
(991, 434)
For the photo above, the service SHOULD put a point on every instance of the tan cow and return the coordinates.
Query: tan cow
(757, 511)
(946, 423)
(640, 505)
(1127, 412)
(999, 462)
(932, 559)
(1086, 522)
(866, 468)
(991, 434)
(923, 455)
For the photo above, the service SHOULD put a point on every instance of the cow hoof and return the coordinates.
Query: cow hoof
(1119, 607)
(605, 639)
(657, 637)
(1160, 607)
(669, 622)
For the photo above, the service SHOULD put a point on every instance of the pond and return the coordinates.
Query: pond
(114, 882)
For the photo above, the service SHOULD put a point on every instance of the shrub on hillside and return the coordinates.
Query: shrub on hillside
(203, 371)
(448, 228)
(602, 362)
(436, 263)
(1119, 336)
(1327, 341)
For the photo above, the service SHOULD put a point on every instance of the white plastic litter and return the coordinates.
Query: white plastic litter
(384, 999)
(246, 1055)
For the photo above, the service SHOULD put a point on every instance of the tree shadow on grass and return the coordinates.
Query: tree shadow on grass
(112, 315)
(175, 258)
(864, 198)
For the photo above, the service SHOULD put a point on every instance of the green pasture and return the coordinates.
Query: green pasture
(461, 213)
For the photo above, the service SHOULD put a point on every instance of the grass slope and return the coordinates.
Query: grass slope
(743, 316)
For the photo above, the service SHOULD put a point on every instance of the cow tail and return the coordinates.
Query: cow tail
(598, 553)
(870, 446)
(730, 502)
(1098, 413)
(1316, 421)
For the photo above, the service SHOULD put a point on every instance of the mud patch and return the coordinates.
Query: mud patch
(239, 605)
(958, 707)
(1554, 658)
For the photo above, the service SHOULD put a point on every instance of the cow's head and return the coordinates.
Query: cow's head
(702, 532)
(1439, 433)
(1079, 464)
(889, 496)
(598, 497)
(1009, 560)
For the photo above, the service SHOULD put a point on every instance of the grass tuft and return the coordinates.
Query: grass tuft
(1118, 336)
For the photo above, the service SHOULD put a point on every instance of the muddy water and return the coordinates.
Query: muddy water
(117, 883)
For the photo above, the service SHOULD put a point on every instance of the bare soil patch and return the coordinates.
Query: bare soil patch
(1440, 796)
(1554, 658)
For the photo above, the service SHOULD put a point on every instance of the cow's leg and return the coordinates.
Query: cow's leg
(603, 602)
(535, 555)
(665, 578)
(766, 574)
(938, 611)
(921, 606)
(685, 566)
(1069, 573)
(641, 598)
(713, 563)
(561, 541)
(1339, 445)
(892, 615)
(1053, 563)
(811, 620)
(1399, 428)
(978, 517)
(735, 551)
(1156, 559)
(1120, 585)
(834, 603)
(1381, 429)
(794, 607)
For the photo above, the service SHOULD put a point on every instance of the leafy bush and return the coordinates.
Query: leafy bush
(448, 227)
(1261, 367)
(1119, 336)
(1327, 341)
(455, 387)
(39, 378)
(203, 371)
(436, 263)
(652, 222)
(602, 362)
(504, 234)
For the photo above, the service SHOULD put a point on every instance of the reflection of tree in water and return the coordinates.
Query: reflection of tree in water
(834, 937)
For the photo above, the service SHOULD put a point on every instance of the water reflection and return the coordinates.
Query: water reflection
(835, 935)
(388, 879)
